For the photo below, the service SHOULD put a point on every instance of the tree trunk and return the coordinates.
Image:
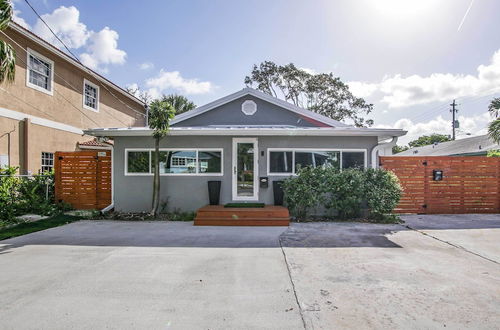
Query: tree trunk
(156, 178)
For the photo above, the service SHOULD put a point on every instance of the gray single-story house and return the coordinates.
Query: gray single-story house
(238, 140)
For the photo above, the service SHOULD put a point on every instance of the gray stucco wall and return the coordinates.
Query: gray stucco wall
(231, 114)
(188, 193)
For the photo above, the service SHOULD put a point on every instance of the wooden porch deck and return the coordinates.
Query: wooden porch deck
(218, 215)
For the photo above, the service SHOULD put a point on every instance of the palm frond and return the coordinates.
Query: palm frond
(494, 130)
(7, 62)
(494, 107)
(5, 13)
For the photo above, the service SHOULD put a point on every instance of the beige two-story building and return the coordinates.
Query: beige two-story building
(52, 100)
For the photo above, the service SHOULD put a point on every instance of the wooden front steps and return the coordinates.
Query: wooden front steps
(218, 215)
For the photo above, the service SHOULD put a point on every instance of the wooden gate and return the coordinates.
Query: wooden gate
(83, 178)
(469, 184)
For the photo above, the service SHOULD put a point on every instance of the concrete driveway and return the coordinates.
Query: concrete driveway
(442, 271)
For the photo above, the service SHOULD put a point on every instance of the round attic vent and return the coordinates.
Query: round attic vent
(249, 107)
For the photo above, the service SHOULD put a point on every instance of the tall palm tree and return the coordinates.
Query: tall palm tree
(7, 52)
(160, 114)
(494, 127)
(179, 102)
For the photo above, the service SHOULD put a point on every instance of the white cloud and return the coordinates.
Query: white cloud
(102, 49)
(19, 20)
(65, 22)
(399, 91)
(473, 125)
(362, 89)
(173, 80)
(146, 66)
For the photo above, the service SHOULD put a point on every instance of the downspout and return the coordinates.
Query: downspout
(112, 205)
(380, 147)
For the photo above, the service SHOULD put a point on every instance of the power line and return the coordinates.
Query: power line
(78, 60)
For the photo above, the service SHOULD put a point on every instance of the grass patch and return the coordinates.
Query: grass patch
(258, 205)
(31, 227)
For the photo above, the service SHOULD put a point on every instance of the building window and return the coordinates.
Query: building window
(90, 96)
(286, 162)
(40, 72)
(281, 161)
(174, 162)
(47, 161)
(138, 162)
(353, 159)
(249, 107)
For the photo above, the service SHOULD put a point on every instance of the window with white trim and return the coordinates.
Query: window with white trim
(90, 96)
(282, 161)
(40, 72)
(174, 162)
(47, 161)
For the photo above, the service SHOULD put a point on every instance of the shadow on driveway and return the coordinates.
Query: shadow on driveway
(184, 234)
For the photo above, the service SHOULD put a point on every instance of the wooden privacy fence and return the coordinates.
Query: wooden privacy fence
(469, 184)
(83, 178)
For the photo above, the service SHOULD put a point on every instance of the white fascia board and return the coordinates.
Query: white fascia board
(66, 57)
(260, 95)
(183, 131)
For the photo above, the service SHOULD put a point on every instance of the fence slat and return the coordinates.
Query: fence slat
(469, 185)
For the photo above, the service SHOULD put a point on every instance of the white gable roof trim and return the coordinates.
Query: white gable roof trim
(263, 96)
(381, 133)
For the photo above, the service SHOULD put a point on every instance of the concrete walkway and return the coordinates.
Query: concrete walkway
(439, 271)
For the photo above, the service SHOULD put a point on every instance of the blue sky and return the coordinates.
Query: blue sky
(406, 57)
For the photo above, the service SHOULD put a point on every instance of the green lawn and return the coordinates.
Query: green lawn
(30, 227)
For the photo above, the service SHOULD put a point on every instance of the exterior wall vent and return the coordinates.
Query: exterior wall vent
(249, 107)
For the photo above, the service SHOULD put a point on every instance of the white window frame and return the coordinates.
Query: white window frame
(31, 52)
(87, 82)
(293, 150)
(42, 159)
(197, 150)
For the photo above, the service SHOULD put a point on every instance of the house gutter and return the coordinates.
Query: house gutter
(381, 147)
(112, 205)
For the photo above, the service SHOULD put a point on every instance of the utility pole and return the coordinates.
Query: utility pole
(454, 122)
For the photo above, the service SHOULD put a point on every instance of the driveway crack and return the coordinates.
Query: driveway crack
(301, 312)
(454, 245)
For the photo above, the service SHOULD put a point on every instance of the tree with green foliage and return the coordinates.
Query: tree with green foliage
(160, 115)
(426, 140)
(180, 103)
(322, 93)
(397, 149)
(7, 52)
(494, 126)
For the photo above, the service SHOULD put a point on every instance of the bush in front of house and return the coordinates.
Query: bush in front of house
(343, 191)
(382, 193)
(23, 195)
(346, 192)
(304, 191)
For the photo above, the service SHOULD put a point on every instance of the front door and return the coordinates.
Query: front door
(245, 169)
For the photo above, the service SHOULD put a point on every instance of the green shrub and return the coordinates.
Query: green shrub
(382, 192)
(344, 191)
(493, 153)
(9, 193)
(22, 195)
(304, 191)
